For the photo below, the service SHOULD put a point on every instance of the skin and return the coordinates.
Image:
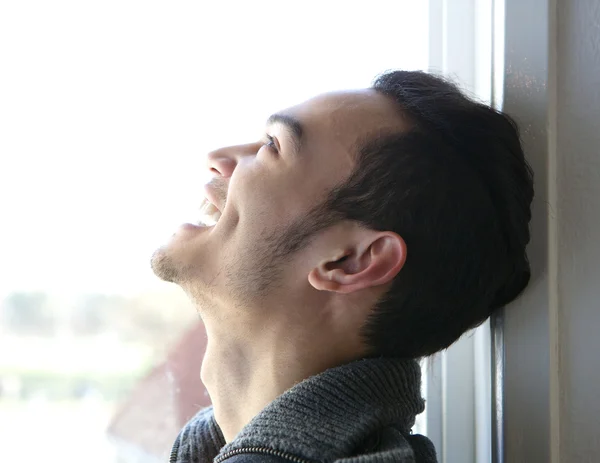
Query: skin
(275, 318)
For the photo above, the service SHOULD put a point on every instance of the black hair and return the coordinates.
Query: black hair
(457, 188)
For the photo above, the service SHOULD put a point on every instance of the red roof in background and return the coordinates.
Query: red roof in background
(163, 401)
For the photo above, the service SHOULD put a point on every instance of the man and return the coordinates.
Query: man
(365, 230)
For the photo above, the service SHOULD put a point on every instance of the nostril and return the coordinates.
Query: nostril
(220, 164)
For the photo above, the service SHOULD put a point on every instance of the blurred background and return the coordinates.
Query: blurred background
(107, 110)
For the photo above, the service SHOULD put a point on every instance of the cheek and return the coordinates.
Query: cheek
(271, 194)
(249, 176)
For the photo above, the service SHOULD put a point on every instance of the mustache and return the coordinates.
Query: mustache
(219, 189)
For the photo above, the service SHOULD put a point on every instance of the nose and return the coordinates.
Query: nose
(222, 162)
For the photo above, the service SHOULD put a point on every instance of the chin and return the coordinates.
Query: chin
(183, 258)
(164, 267)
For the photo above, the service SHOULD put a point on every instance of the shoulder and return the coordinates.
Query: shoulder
(199, 440)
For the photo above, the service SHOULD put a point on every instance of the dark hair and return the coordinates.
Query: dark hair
(458, 189)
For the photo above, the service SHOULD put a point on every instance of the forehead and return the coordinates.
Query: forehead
(349, 117)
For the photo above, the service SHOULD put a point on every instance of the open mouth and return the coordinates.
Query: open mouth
(209, 213)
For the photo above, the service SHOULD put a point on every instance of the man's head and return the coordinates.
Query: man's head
(399, 213)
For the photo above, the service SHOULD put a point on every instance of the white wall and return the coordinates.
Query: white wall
(552, 377)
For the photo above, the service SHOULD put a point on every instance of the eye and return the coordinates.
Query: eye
(270, 143)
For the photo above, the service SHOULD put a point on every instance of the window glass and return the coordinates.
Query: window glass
(106, 112)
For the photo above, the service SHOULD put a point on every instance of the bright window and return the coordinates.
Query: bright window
(106, 111)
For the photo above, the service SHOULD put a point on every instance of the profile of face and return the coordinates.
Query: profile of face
(269, 243)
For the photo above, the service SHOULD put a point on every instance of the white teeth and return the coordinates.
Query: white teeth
(209, 214)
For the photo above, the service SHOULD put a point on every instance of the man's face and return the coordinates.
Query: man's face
(265, 190)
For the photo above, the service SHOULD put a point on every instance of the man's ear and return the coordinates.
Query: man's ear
(374, 261)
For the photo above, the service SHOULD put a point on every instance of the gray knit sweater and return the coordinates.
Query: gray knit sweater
(361, 412)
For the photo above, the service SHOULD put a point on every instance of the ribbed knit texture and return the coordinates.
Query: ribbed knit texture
(361, 412)
(200, 440)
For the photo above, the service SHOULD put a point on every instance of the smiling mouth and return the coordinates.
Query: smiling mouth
(209, 213)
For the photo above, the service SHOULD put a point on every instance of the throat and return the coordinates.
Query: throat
(246, 366)
(239, 387)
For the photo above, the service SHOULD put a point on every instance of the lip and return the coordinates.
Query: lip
(192, 226)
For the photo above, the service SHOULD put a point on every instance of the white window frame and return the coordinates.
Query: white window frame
(463, 384)
(497, 395)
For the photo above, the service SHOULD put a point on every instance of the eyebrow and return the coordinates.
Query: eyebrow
(292, 124)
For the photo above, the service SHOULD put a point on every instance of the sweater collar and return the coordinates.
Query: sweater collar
(328, 415)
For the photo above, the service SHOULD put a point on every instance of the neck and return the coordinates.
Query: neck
(249, 363)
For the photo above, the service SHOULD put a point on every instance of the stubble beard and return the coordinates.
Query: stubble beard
(164, 267)
(258, 273)
(252, 275)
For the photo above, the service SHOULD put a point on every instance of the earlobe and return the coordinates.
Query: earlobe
(373, 264)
